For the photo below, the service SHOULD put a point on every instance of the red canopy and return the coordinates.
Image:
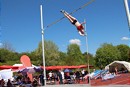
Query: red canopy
(47, 67)
(67, 67)
(8, 67)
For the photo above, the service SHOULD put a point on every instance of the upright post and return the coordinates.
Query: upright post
(127, 11)
(126, 2)
(0, 28)
(87, 51)
(44, 68)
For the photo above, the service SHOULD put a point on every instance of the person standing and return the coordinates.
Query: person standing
(116, 71)
(41, 79)
(50, 76)
(77, 76)
(63, 76)
(60, 77)
(9, 83)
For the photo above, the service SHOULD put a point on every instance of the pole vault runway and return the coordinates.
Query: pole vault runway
(84, 85)
(122, 80)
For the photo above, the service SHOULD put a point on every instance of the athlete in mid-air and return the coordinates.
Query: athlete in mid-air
(75, 22)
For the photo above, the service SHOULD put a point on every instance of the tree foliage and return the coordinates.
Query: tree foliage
(51, 53)
(88, 58)
(7, 55)
(124, 52)
(62, 58)
(7, 46)
(75, 56)
(106, 54)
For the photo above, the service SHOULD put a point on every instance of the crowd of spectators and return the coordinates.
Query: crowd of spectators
(53, 77)
(62, 77)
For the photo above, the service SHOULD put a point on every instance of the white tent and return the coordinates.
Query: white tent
(6, 74)
(121, 66)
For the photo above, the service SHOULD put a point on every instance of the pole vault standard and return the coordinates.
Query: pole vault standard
(126, 3)
(127, 12)
(43, 55)
(86, 38)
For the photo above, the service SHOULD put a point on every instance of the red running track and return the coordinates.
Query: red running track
(120, 79)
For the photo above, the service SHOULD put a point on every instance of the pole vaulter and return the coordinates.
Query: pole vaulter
(75, 22)
(70, 13)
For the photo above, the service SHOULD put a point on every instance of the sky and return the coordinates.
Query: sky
(106, 22)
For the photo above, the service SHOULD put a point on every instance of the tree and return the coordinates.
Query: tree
(8, 46)
(62, 58)
(106, 54)
(124, 52)
(51, 53)
(2, 53)
(88, 56)
(129, 55)
(74, 55)
(6, 56)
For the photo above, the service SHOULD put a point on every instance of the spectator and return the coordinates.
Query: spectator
(60, 77)
(116, 71)
(55, 77)
(77, 76)
(35, 82)
(2, 83)
(63, 76)
(41, 79)
(50, 76)
(83, 74)
(9, 83)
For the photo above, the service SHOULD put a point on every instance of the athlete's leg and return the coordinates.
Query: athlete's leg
(69, 15)
(71, 18)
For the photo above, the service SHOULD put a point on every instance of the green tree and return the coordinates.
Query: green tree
(124, 52)
(51, 53)
(75, 56)
(106, 54)
(62, 58)
(3, 55)
(87, 57)
(34, 59)
(8, 46)
(129, 55)
(6, 56)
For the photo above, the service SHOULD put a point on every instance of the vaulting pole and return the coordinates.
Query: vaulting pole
(43, 55)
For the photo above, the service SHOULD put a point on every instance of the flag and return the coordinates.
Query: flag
(25, 60)
(127, 5)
